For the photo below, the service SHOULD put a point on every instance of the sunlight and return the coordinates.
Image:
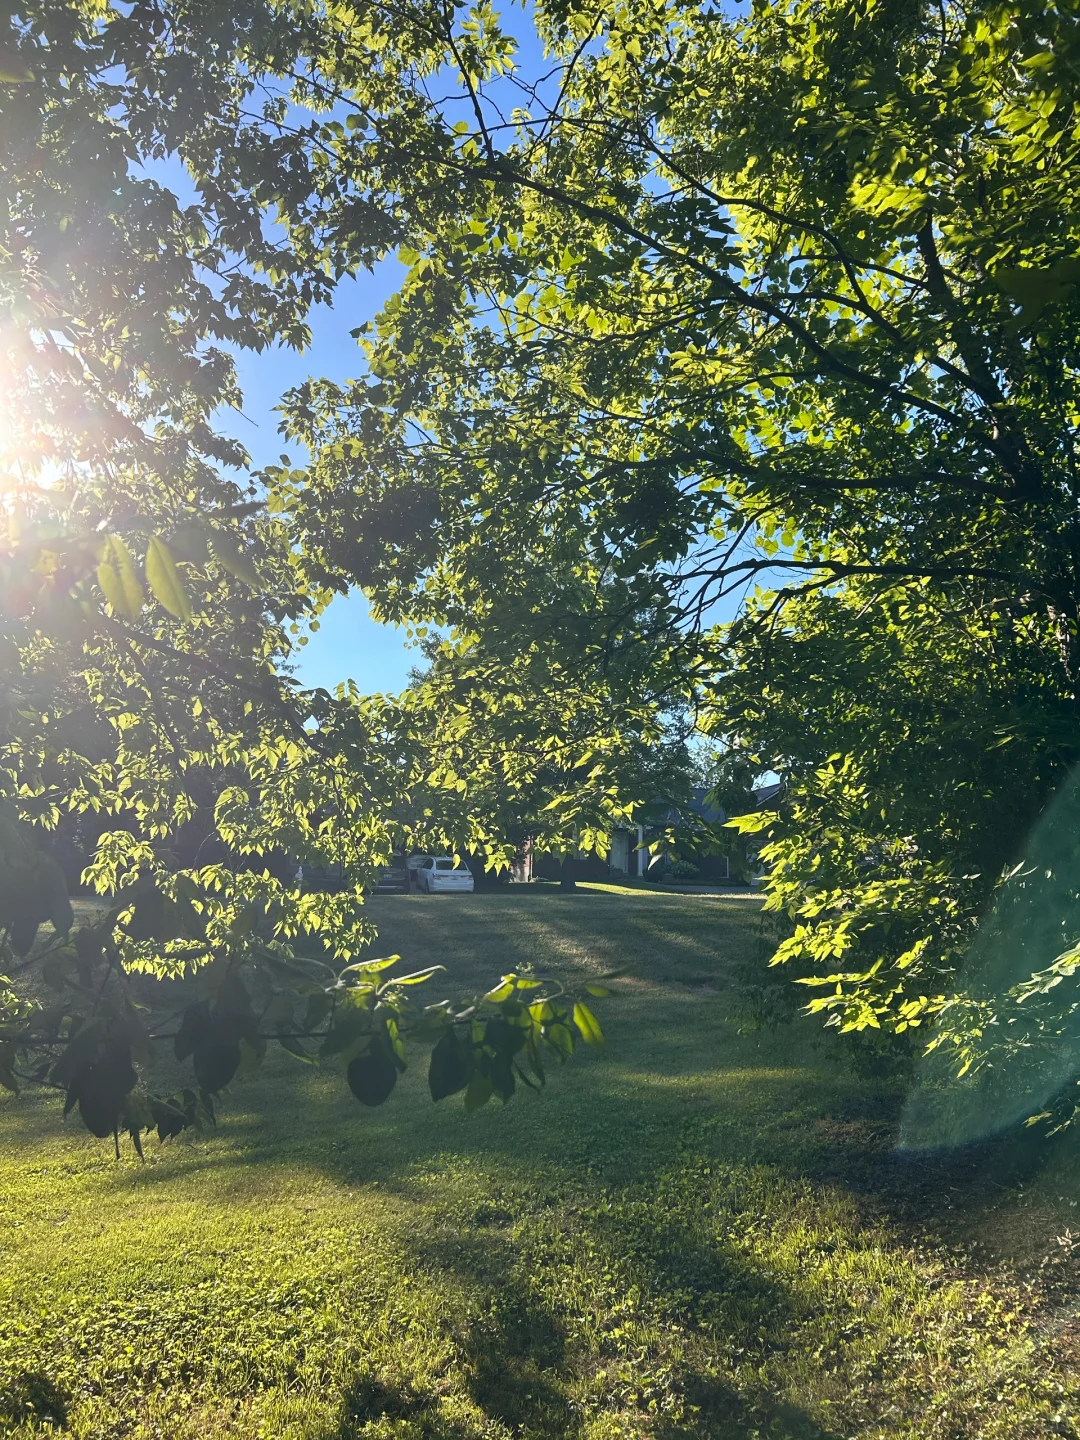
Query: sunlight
(25, 463)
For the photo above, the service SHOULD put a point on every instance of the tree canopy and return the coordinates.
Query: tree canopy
(702, 305)
(787, 300)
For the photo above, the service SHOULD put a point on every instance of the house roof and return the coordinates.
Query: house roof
(665, 813)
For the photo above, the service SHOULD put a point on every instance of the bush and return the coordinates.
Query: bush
(684, 870)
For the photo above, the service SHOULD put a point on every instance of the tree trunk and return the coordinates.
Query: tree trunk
(566, 876)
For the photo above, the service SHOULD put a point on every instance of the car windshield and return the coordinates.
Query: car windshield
(445, 865)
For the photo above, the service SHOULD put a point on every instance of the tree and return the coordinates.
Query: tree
(562, 756)
(792, 296)
(151, 597)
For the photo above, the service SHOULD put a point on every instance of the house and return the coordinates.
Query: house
(629, 853)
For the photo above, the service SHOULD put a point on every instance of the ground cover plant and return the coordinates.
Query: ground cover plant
(700, 1232)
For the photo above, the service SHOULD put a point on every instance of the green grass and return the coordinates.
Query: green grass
(698, 1233)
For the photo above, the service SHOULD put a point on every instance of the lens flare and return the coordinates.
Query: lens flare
(1015, 1023)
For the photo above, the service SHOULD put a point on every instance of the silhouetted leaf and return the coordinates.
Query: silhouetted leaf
(372, 1076)
(190, 543)
(232, 1009)
(102, 1090)
(13, 68)
(169, 1117)
(54, 895)
(23, 933)
(194, 1025)
(217, 1056)
(451, 1066)
(149, 918)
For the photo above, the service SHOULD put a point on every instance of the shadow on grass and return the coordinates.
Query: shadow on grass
(718, 1412)
(519, 1368)
(369, 1402)
(524, 1368)
(682, 1094)
(32, 1397)
(659, 938)
(612, 1127)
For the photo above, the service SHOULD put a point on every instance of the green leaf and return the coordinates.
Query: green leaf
(293, 1046)
(251, 1056)
(561, 1039)
(501, 992)
(227, 552)
(370, 967)
(588, 1025)
(164, 579)
(479, 1091)
(118, 579)
(532, 1052)
(417, 977)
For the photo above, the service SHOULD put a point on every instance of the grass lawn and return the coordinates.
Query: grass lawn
(698, 1233)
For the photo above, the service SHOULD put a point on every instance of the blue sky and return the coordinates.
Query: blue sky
(348, 645)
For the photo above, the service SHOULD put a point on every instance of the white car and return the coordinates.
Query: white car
(438, 873)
